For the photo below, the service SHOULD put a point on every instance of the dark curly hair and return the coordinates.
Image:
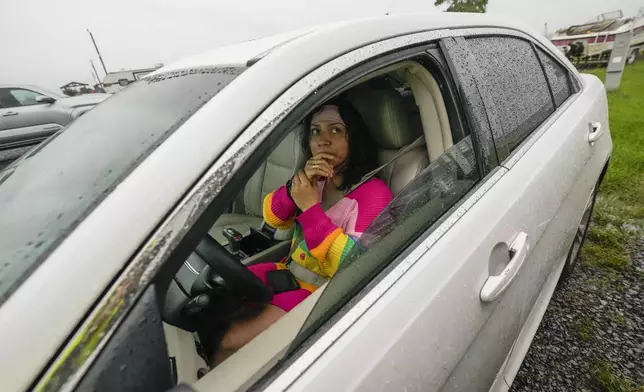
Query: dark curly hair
(362, 149)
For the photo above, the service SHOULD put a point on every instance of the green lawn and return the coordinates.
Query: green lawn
(619, 213)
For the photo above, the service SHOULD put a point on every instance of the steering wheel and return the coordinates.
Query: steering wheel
(237, 277)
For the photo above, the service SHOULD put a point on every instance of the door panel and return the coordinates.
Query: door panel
(551, 184)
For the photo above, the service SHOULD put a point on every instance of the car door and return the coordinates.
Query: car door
(26, 119)
(544, 142)
(545, 155)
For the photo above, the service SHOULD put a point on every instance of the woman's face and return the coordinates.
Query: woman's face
(329, 134)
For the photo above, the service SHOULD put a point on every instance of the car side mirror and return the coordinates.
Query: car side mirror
(45, 99)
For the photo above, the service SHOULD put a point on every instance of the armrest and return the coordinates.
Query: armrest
(272, 254)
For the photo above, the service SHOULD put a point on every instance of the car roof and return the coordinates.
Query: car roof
(371, 28)
(25, 86)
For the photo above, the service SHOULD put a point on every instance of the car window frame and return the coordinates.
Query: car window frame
(509, 159)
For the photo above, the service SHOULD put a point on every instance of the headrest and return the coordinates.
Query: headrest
(387, 115)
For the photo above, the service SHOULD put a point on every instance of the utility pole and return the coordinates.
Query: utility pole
(94, 68)
(546, 29)
(95, 75)
(97, 52)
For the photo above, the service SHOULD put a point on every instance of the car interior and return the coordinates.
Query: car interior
(399, 103)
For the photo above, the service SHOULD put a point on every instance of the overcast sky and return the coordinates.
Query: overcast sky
(44, 42)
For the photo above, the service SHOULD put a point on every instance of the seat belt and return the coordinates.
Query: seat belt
(416, 143)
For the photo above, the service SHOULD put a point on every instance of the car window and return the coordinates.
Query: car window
(7, 100)
(45, 196)
(414, 210)
(558, 77)
(24, 97)
(509, 71)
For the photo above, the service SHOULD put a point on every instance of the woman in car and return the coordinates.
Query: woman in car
(328, 213)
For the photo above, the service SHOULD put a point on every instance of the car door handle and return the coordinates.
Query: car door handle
(495, 285)
(7, 114)
(595, 132)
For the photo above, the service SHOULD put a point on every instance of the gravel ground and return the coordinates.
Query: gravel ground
(593, 329)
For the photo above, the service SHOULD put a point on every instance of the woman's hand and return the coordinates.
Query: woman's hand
(304, 191)
(319, 166)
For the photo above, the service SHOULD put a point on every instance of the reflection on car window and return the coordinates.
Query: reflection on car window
(418, 206)
(24, 97)
(50, 192)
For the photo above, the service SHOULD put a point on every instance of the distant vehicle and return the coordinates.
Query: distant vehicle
(124, 241)
(30, 114)
(592, 42)
(116, 81)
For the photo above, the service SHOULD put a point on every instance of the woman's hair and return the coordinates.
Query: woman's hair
(362, 156)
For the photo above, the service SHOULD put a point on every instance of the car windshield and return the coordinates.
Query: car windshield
(46, 195)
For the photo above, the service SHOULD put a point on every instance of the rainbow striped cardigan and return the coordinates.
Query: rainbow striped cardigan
(322, 239)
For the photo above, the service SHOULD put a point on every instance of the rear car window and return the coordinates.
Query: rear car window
(53, 188)
(558, 77)
(508, 69)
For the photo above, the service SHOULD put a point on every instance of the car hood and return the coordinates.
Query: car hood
(83, 100)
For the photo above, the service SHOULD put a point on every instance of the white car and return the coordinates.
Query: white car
(115, 275)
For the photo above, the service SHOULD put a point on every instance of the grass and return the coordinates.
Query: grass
(617, 318)
(619, 211)
(604, 378)
(585, 329)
